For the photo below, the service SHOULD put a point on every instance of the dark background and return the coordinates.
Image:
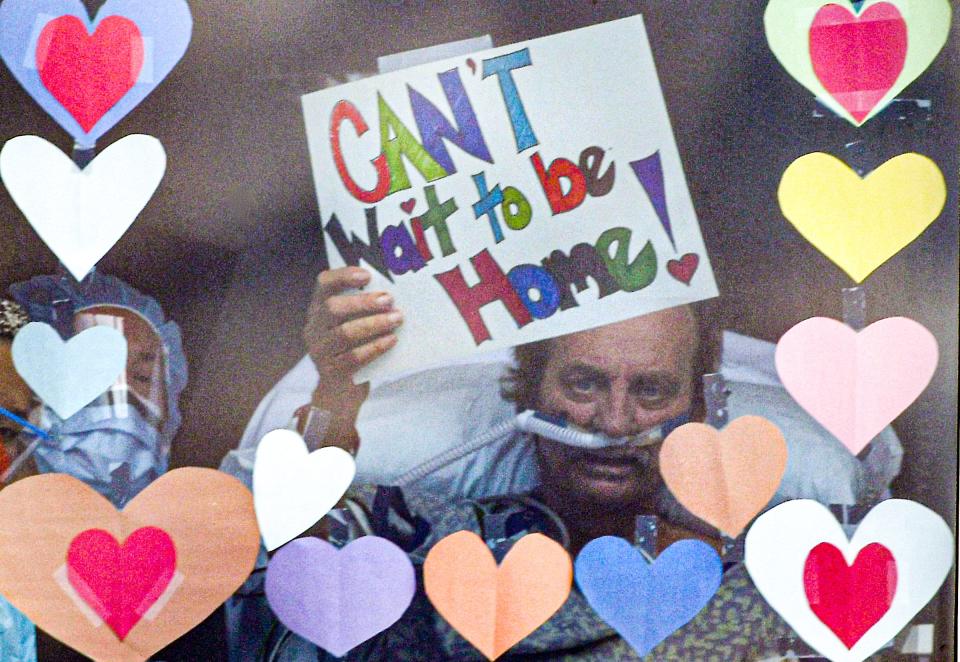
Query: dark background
(228, 244)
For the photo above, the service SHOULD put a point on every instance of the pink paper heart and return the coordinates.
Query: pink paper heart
(121, 582)
(855, 384)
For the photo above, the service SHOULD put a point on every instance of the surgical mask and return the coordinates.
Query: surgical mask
(116, 456)
(543, 425)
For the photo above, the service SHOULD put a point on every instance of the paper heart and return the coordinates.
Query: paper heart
(629, 593)
(81, 214)
(164, 28)
(725, 478)
(408, 205)
(207, 514)
(855, 384)
(861, 223)
(779, 544)
(850, 598)
(293, 488)
(684, 268)
(121, 582)
(69, 375)
(89, 74)
(340, 598)
(856, 61)
(495, 607)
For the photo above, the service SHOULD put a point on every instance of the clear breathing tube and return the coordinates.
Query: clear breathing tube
(543, 425)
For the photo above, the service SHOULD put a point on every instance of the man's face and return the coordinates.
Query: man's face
(620, 379)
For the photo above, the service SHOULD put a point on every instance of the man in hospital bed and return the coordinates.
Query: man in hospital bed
(466, 460)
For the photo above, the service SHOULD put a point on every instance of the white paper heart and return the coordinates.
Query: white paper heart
(780, 540)
(81, 214)
(293, 488)
(67, 376)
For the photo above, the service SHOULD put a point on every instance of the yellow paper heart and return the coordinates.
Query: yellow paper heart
(861, 223)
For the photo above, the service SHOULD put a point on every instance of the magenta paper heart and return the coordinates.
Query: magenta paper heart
(121, 582)
(858, 58)
(88, 74)
(855, 384)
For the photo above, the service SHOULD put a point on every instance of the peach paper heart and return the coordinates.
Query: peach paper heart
(207, 515)
(495, 607)
(725, 478)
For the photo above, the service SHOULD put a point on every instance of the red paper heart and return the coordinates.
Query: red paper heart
(850, 599)
(684, 268)
(89, 74)
(121, 582)
(408, 205)
(858, 58)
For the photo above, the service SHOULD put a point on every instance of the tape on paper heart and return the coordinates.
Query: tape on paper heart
(340, 598)
(293, 488)
(847, 598)
(724, 477)
(65, 552)
(81, 214)
(647, 602)
(495, 607)
(860, 223)
(856, 383)
(88, 74)
(856, 60)
(68, 375)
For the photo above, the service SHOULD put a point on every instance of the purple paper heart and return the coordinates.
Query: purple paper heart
(339, 598)
(646, 602)
(165, 27)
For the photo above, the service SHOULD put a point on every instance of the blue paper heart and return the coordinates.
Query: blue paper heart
(647, 602)
(165, 26)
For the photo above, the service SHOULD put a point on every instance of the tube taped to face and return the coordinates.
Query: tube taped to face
(558, 429)
(121, 442)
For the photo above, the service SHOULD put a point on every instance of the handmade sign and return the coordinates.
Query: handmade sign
(340, 598)
(724, 477)
(856, 59)
(502, 199)
(69, 375)
(89, 74)
(646, 602)
(848, 598)
(121, 585)
(495, 607)
(856, 383)
(293, 488)
(81, 214)
(860, 223)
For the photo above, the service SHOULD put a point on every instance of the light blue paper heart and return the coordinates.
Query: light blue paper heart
(67, 376)
(166, 27)
(646, 602)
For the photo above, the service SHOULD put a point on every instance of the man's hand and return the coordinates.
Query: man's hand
(344, 332)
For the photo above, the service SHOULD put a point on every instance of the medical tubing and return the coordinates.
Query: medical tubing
(451, 455)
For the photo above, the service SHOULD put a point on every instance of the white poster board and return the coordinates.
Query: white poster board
(511, 195)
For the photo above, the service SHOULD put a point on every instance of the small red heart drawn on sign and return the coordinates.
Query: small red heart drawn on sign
(850, 599)
(472, 65)
(408, 205)
(684, 268)
(121, 582)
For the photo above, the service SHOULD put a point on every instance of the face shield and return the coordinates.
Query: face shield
(120, 442)
(142, 385)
